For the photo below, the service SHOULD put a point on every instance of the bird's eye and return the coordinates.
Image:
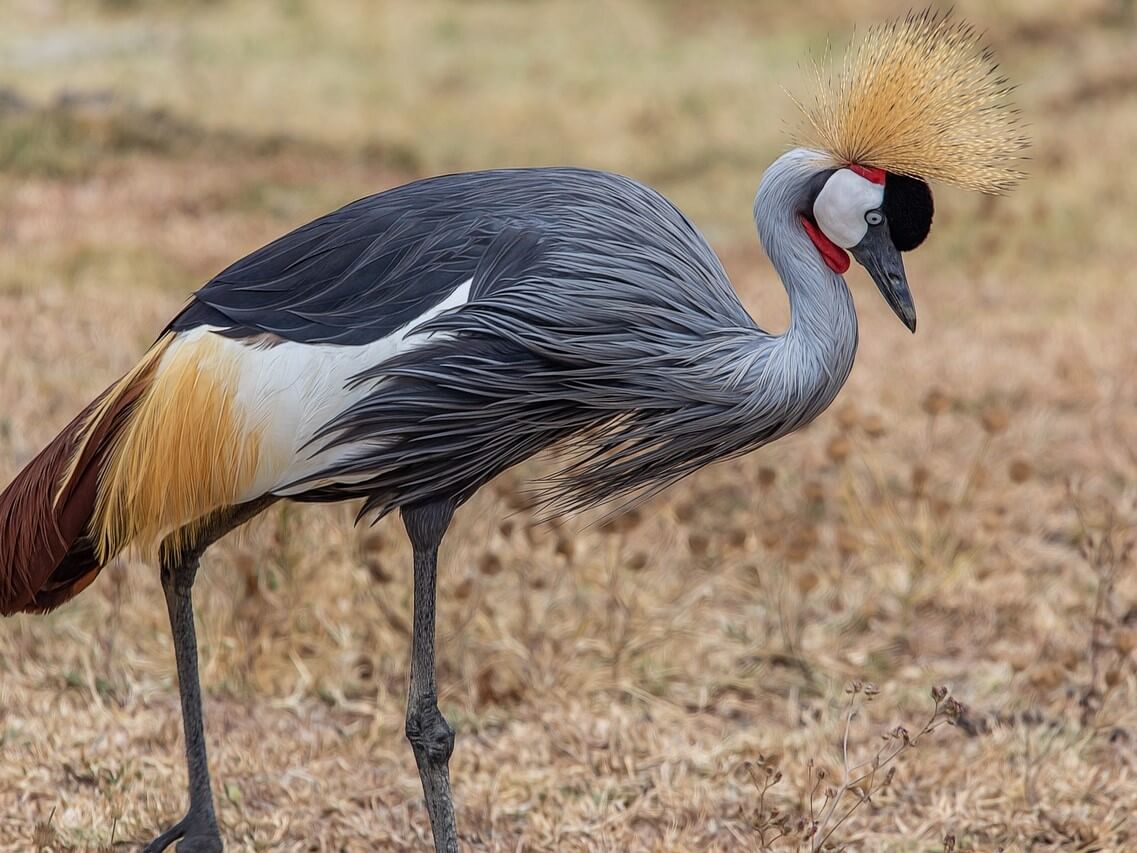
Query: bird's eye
(874, 217)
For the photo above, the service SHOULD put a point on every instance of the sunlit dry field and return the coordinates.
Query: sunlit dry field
(717, 669)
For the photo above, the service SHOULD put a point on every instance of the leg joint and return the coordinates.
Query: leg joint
(178, 570)
(429, 733)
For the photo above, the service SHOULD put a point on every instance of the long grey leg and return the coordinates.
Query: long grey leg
(430, 735)
(197, 832)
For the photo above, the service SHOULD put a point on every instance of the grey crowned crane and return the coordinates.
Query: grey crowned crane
(407, 348)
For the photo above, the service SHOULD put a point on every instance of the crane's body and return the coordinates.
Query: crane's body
(410, 346)
(413, 344)
(380, 349)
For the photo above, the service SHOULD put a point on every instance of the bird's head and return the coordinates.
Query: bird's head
(875, 216)
(918, 100)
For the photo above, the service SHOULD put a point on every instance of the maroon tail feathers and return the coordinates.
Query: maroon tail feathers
(46, 553)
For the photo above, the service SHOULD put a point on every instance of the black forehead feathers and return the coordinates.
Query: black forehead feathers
(908, 207)
(816, 185)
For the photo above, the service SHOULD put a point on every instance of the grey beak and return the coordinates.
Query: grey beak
(882, 261)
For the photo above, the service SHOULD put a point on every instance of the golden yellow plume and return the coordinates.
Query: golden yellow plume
(185, 451)
(919, 96)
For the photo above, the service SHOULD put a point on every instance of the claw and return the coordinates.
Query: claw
(192, 837)
(165, 839)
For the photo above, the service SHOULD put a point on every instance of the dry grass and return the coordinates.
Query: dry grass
(964, 516)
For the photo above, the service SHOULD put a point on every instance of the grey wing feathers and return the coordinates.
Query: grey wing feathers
(357, 274)
(596, 314)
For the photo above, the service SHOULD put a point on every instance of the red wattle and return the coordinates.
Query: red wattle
(869, 173)
(836, 258)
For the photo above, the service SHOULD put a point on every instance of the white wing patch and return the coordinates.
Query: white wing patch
(289, 391)
(841, 206)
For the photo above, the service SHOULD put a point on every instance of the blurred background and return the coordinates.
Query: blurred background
(716, 670)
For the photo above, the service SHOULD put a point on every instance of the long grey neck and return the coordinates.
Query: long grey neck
(812, 359)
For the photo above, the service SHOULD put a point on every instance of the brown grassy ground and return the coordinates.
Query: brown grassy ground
(962, 517)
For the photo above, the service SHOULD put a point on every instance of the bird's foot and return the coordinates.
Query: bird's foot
(194, 833)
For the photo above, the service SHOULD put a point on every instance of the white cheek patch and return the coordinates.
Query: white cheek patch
(841, 206)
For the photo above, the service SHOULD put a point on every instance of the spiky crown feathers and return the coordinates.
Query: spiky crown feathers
(919, 96)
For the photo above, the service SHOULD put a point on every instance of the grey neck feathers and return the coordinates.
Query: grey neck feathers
(808, 364)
